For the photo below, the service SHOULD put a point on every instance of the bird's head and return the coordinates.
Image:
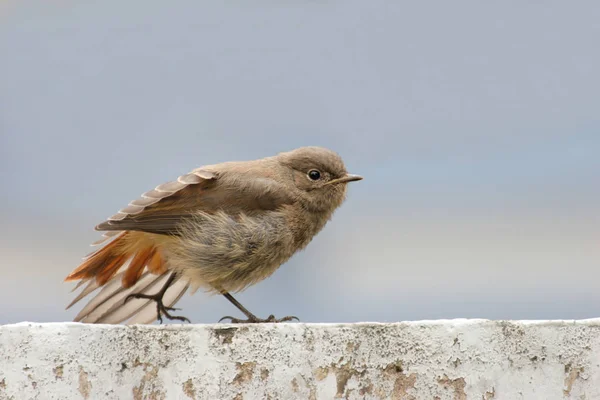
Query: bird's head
(319, 175)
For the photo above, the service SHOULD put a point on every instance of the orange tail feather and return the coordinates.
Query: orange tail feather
(132, 263)
(104, 264)
(111, 269)
(136, 266)
(156, 264)
(98, 261)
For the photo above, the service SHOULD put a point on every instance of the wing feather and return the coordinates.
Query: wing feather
(235, 188)
(105, 236)
(152, 212)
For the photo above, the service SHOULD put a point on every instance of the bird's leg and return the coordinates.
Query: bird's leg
(161, 309)
(252, 319)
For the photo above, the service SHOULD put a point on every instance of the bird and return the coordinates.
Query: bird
(220, 228)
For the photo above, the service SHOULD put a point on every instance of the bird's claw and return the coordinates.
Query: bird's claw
(161, 309)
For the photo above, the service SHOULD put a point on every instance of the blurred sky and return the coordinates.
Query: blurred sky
(476, 126)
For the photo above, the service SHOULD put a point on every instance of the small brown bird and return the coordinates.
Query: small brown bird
(221, 227)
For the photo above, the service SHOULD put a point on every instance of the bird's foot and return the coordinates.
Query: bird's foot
(255, 320)
(161, 309)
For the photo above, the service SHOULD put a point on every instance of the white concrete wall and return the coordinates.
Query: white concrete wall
(458, 359)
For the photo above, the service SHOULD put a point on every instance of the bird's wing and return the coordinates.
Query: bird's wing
(159, 210)
(163, 209)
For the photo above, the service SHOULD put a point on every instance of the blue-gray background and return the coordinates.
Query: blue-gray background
(476, 126)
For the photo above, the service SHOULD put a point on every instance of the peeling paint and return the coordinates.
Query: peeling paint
(264, 374)
(84, 383)
(149, 387)
(342, 376)
(440, 360)
(310, 384)
(321, 373)
(295, 385)
(457, 385)
(245, 372)
(58, 371)
(572, 374)
(402, 382)
(225, 335)
(342, 373)
(189, 389)
(489, 395)
(366, 387)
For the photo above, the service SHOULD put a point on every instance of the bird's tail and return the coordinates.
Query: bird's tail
(129, 263)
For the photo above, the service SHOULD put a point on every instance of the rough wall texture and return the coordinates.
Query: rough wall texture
(457, 359)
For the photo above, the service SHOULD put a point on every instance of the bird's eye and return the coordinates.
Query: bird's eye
(314, 175)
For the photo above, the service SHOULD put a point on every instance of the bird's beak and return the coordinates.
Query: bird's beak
(345, 179)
